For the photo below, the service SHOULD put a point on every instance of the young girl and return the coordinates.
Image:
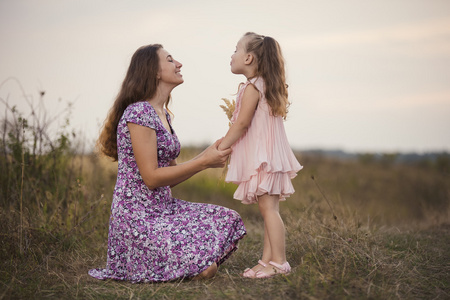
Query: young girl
(262, 162)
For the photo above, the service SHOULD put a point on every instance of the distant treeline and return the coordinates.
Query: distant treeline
(379, 156)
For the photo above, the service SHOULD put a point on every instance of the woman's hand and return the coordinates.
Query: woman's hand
(213, 157)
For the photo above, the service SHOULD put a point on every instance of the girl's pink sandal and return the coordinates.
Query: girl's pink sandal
(249, 273)
(279, 269)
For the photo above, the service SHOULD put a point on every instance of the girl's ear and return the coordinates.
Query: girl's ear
(249, 59)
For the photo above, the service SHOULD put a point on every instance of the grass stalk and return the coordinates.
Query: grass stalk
(21, 192)
(325, 197)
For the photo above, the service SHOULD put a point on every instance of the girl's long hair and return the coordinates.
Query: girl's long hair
(270, 66)
(140, 84)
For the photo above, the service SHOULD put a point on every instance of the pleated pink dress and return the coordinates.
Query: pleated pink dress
(262, 160)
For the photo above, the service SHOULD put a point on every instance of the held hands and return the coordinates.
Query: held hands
(215, 158)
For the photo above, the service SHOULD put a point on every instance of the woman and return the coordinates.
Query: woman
(153, 236)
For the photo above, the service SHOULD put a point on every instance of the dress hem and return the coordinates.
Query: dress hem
(219, 260)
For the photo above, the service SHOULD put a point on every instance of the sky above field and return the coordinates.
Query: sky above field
(363, 75)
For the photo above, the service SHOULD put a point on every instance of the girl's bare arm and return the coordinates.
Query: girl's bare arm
(249, 102)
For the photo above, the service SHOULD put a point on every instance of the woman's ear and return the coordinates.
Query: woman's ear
(249, 59)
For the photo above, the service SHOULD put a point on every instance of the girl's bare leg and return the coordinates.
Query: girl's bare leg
(274, 228)
(267, 252)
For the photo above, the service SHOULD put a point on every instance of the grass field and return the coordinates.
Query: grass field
(356, 229)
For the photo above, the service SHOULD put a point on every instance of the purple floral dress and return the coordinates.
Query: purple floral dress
(153, 236)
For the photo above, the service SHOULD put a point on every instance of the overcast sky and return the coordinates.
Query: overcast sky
(363, 75)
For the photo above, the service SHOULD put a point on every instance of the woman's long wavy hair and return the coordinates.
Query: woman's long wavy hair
(270, 66)
(140, 84)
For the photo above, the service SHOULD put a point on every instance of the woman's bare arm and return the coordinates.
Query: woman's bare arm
(144, 143)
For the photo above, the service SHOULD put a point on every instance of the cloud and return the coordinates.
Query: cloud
(428, 38)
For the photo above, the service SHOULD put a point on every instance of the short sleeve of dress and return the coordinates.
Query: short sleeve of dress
(258, 83)
(141, 113)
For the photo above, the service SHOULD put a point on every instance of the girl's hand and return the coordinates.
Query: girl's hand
(220, 145)
(213, 157)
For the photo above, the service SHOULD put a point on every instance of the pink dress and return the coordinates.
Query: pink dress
(262, 160)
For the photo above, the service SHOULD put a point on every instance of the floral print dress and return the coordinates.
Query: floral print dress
(153, 236)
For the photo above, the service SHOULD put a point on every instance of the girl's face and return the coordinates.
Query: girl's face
(239, 56)
(169, 69)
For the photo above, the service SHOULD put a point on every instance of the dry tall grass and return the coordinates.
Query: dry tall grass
(390, 238)
(361, 229)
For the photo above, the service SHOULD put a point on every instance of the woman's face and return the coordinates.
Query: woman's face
(169, 69)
